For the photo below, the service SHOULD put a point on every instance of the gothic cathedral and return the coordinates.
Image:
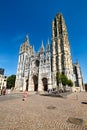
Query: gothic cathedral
(37, 71)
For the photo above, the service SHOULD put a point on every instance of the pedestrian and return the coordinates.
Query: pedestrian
(25, 95)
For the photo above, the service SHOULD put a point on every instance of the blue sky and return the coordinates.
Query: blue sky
(34, 17)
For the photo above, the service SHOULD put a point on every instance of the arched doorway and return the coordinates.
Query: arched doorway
(35, 80)
(27, 85)
(86, 87)
(45, 84)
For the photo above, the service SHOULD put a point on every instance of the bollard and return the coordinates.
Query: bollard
(76, 97)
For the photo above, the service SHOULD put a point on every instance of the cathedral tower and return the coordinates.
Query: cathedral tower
(25, 51)
(61, 56)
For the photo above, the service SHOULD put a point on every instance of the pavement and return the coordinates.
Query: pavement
(43, 112)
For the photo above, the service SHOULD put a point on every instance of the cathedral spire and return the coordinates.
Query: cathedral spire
(48, 41)
(42, 44)
(77, 61)
(48, 46)
(42, 47)
(33, 49)
(27, 39)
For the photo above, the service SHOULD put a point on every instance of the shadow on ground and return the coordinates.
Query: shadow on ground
(84, 102)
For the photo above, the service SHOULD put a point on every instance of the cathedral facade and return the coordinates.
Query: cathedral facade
(34, 69)
(37, 71)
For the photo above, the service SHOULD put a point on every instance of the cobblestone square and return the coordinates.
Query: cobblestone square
(43, 112)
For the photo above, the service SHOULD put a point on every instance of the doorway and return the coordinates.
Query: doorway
(27, 85)
(35, 80)
(45, 84)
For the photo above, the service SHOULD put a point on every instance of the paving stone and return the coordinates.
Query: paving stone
(43, 113)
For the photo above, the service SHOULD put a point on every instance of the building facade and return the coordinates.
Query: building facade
(34, 69)
(78, 75)
(1, 71)
(37, 71)
(3, 81)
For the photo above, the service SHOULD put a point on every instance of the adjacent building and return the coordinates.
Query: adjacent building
(1, 71)
(3, 79)
(78, 75)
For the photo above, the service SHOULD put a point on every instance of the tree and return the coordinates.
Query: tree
(58, 79)
(11, 81)
(70, 83)
(64, 79)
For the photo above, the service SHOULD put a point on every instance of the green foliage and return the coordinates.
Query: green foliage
(64, 79)
(70, 83)
(11, 81)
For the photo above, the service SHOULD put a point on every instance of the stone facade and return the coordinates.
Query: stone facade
(37, 71)
(34, 69)
(61, 56)
(3, 81)
(78, 75)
